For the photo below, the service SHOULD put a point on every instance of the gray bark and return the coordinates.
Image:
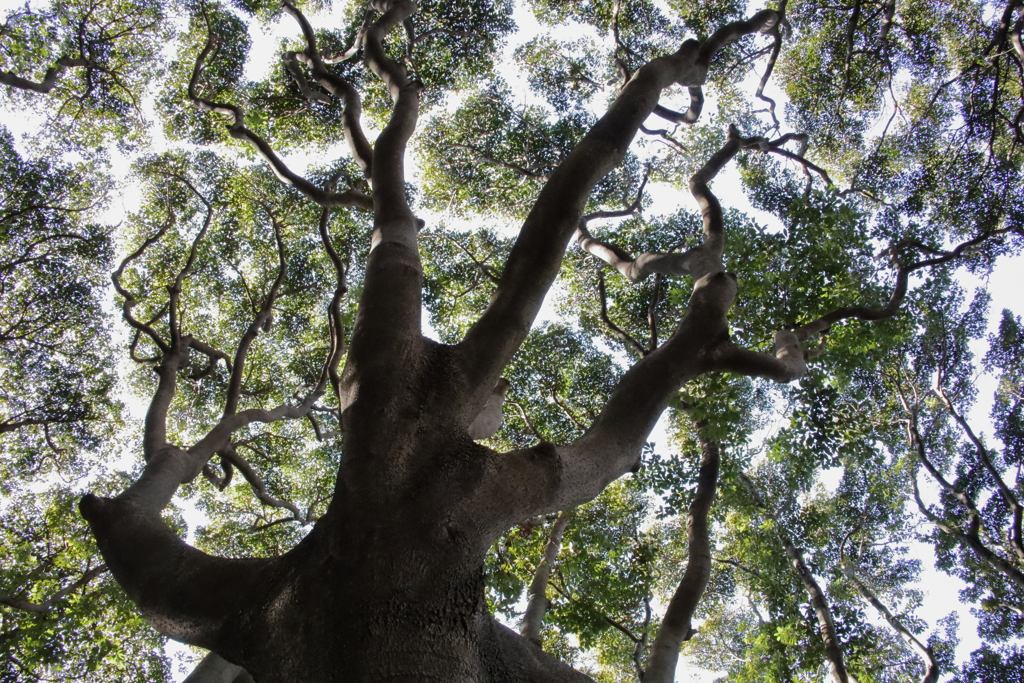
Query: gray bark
(538, 592)
(215, 669)
(388, 583)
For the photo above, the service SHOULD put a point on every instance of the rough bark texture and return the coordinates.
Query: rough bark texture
(388, 585)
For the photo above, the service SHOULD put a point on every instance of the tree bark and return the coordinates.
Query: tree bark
(538, 592)
(676, 627)
(215, 669)
(388, 584)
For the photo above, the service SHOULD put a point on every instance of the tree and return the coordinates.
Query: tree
(390, 506)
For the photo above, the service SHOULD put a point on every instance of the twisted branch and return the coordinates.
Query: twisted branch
(238, 130)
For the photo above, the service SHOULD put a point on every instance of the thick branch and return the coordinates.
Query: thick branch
(489, 420)
(785, 363)
(182, 592)
(388, 323)
(612, 444)
(517, 659)
(537, 254)
(691, 115)
(215, 669)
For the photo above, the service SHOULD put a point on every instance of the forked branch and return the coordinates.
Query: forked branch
(700, 260)
(362, 152)
(238, 130)
(903, 272)
(129, 301)
(49, 78)
(45, 606)
(536, 256)
(258, 323)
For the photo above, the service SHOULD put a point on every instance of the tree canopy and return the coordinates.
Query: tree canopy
(354, 375)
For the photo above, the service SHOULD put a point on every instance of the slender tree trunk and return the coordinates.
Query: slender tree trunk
(676, 627)
(538, 604)
(826, 625)
(931, 667)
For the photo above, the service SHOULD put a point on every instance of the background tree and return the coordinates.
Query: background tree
(373, 496)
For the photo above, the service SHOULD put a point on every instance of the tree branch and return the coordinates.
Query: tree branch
(676, 627)
(537, 253)
(334, 314)
(826, 625)
(931, 667)
(770, 67)
(822, 324)
(362, 152)
(489, 420)
(230, 454)
(538, 598)
(691, 115)
(238, 130)
(388, 325)
(696, 262)
(130, 301)
(1005, 491)
(46, 605)
(49, 79)
(215, 669)
(263, 316)
(617, 331)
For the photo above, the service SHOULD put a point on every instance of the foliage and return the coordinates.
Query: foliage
(915, 154)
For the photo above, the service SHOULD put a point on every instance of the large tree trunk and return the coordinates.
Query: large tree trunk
(389, 584)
